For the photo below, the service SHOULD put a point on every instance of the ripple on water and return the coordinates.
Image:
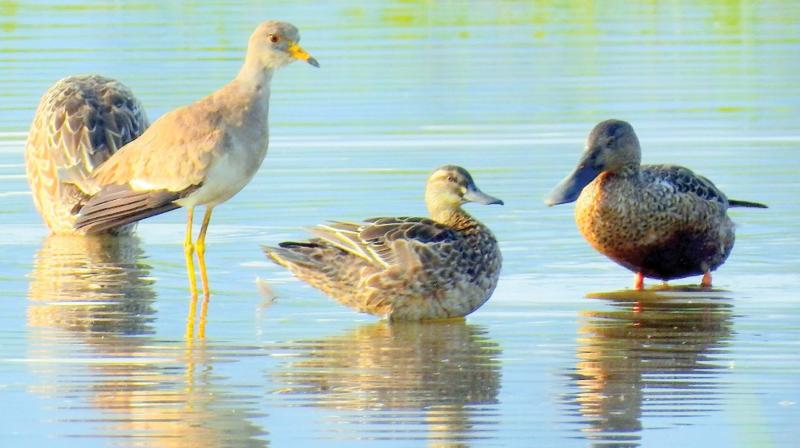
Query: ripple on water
(659, 355)
(403, 381)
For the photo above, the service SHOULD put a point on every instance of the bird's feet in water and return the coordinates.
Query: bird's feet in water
(706, 282)
(638, 281)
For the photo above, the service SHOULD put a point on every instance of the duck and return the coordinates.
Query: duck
(405, 268)
(81, 121)
(659, 221)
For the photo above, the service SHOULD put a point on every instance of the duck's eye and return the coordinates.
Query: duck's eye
(274, 38)
(451, 179)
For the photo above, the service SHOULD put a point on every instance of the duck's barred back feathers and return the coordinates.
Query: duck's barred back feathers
(80, 122)
(423, 230)
(374, 240)
(685, 180)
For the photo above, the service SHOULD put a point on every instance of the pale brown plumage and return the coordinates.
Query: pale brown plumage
(202, 153)
(81, 121)
(197, 155)
(405, 268)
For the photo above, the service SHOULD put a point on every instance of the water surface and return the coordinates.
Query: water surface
(92, 330)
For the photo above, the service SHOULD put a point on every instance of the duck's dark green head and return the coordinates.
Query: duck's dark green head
(451, 186)
(611, 147)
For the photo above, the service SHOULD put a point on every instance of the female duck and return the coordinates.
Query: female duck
(405, 268)
(659, 221)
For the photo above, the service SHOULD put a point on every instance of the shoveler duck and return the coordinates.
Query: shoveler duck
(659, 221)
(81, 121)
(405, 268)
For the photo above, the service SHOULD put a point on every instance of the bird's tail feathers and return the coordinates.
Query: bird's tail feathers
(291, 253)
(737, 203)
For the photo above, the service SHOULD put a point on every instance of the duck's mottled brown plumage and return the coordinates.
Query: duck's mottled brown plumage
(80, 122)
(662, 221)
(403, 268)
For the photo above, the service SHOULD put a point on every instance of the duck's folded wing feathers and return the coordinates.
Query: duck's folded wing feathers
(387, 241)
(684, 180)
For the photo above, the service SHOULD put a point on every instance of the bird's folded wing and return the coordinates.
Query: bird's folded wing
(684, 180)
(388, 241)
(174, 154)
(118, 205)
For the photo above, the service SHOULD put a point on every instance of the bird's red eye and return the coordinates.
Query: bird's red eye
(274, 38)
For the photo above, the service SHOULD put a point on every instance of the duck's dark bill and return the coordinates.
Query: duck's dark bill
(570, 188)
(475, 195)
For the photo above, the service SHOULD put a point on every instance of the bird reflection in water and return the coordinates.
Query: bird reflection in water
(91, 285)
(445, 373)
(656, 353)
(91, 316)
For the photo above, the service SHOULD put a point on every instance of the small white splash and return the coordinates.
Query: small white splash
(266, 292)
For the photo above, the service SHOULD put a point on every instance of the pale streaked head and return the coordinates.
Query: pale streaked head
(451, 186)
(276, 44)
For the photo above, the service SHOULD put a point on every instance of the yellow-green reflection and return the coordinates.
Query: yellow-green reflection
(441, 371)
(652, 351)
(91, 313)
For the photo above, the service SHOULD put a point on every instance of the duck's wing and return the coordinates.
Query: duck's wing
(684, 180)
(389, 241)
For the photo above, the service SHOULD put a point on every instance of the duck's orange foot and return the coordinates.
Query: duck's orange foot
(638, 281)
(706, 282)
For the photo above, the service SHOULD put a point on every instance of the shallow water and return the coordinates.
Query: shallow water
(92, 331)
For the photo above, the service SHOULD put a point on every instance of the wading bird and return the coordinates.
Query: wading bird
(200, 154)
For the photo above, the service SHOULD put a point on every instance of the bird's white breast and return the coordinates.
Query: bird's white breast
(227, 175)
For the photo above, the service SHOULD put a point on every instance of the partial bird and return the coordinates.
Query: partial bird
(200, 154)
(659, 221)
(405, 268)
(81, 121)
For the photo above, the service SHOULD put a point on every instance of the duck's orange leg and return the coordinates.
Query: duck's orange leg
(706, 282)
(638, 281)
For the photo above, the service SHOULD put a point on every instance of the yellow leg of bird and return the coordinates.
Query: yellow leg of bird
(188, 251)
(200, 246)
(201, 261)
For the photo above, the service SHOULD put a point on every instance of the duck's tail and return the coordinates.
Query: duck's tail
(331, 270)
(735, 203)
(291, 253)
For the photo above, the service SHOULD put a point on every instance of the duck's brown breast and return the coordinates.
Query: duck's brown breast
(649, 228)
